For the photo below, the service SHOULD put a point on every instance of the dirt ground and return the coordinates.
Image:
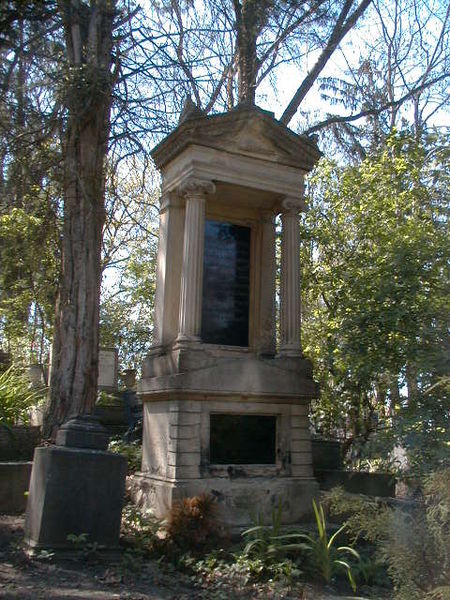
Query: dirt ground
(45, 578)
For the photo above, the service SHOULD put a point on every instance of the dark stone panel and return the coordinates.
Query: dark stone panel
(226, 284)
(242, 439)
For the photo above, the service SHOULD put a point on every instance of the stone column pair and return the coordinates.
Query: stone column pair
(195, 191)
(190, 317)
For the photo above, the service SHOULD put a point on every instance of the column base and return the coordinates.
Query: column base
(291, 351)
(186, 341)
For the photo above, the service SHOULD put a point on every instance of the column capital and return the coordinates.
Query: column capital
(194, 186)
(268, 217)
(292, 205)
(170, 199)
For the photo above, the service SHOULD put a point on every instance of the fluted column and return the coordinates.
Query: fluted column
(290, 303)
(265, 338)
(190, 316)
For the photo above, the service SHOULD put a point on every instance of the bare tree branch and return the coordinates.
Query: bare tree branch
(340, 30)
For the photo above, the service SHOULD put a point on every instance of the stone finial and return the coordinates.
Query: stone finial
(190, 111)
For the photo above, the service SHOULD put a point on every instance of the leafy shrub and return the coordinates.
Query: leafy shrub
(324, 560)
(139, 531)
(413, 541)
(16, 397)
(131, 451)
(222, 566)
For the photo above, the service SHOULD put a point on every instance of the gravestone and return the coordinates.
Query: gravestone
(225, 406)
(76, 487)
(107, 369)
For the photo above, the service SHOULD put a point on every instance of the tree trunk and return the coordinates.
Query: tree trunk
(251, 16)
(74, 368)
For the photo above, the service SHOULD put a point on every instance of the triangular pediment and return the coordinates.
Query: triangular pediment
(246, 132)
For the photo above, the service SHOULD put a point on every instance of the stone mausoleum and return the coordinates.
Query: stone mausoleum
(225, 405)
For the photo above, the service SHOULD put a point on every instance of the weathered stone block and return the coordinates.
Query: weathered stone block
(239, 499)
(301, 446)
(185, 419)
(184, 445)
(300, 421)
(182, 459)
(301, 458)
(74, 491)
(183, 472)
(298, 433)
(186, 432)
(17, 443)
(302, 470)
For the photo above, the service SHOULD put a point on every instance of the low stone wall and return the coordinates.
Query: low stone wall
(357, 482)
(14, 482)
(17, 443)
(326, 454)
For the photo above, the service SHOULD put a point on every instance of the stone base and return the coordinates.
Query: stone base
(14, 481)
(241, 500)
(74, 491)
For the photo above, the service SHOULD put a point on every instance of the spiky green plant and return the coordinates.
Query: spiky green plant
(324, 556)
(16, 397)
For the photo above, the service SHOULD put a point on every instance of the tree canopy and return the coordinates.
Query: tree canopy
(89, 86)
(376, 294)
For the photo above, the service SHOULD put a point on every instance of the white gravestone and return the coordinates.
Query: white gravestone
(107, 369)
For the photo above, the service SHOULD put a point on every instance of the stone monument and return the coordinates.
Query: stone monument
(76, 487)
(225, 410)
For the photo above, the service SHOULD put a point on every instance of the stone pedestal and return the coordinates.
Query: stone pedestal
(183, 390)
(76, 487)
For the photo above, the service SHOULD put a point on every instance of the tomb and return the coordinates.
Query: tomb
(225, 405)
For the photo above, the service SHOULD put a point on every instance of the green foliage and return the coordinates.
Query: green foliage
(131, 451)
(139, 531)
(241, 568)
(129, 259)
(28, 278)
(105, 399)
(16, 397)
(413, 541)
(271, 545)
(324, 558)
(87, 550)
(375, 256)
(370, 570)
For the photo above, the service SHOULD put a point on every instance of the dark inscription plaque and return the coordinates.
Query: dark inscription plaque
(226, 270)
(242, 439)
